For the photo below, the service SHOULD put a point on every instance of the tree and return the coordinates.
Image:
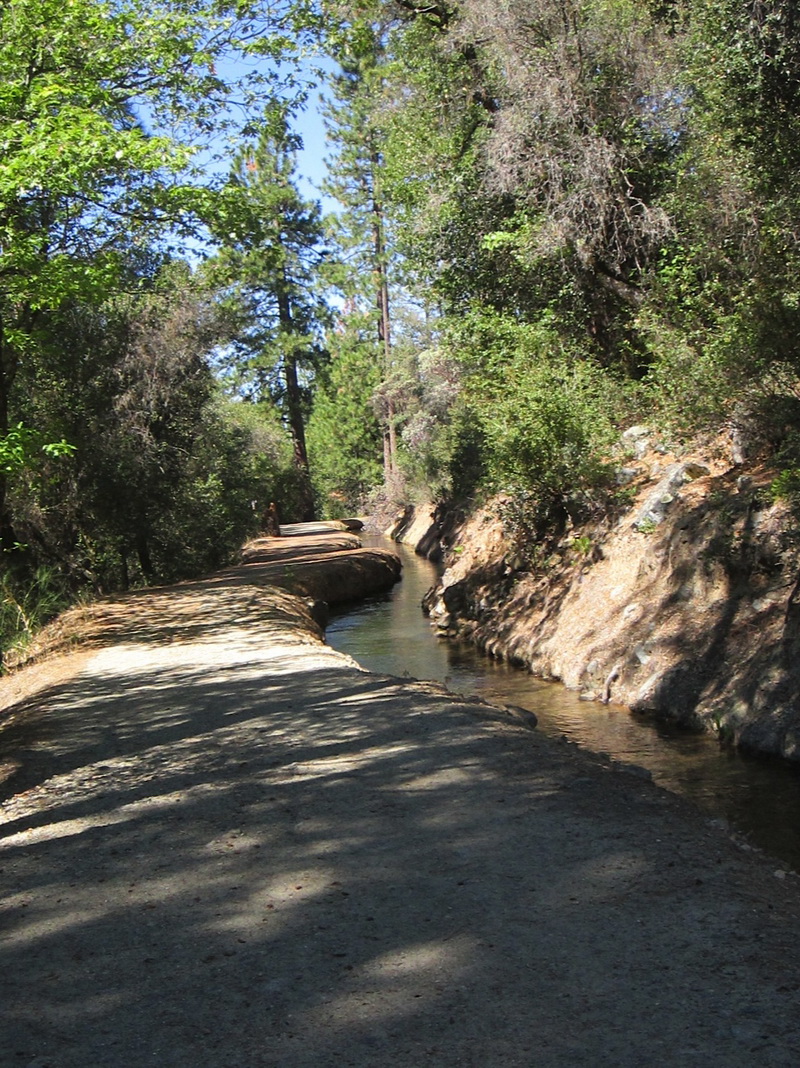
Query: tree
(345, 437)
(355, 131)
(102, 107)
(522, 153)
(598, 198)
(270, 265)
(163, 473)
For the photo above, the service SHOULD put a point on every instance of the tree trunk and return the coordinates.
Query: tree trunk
(143, 554)
(294, 408)
(123, 564)
(384, 324)
(8, 368)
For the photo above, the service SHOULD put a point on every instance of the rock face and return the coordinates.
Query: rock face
(656, 504)
(685, 605)
(423, 526)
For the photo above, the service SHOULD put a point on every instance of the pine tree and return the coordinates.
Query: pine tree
(361, 229)
(343, 432)
(270, 265)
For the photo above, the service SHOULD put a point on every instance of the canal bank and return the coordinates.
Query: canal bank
(676, 594)
(237, 847)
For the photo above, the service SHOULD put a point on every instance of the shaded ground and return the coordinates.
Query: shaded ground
(226, 845)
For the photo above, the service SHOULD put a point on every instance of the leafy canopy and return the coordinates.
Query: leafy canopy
(105, 108)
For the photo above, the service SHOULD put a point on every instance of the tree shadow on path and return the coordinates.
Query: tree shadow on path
(244, 852)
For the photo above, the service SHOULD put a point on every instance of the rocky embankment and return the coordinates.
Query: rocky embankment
(682, 604)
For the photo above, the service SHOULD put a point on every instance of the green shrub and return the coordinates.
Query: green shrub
(547, 421)
(786, 486)
(25, 607)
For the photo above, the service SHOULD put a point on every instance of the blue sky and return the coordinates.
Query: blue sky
(311, 163)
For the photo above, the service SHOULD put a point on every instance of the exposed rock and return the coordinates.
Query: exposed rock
(692, 471)
(624, 475)
(657, 503)
(327, 565)
(523, 716)
(421, 527)
(304, 530)
(263, 549)
(637, 438)
(643, 652)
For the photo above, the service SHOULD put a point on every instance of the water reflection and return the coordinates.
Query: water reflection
(390, 635)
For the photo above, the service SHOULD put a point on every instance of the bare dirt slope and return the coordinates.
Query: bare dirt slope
(226, 845)
(682, 604)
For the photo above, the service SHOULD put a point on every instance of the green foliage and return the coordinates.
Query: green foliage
(582, 544)
(721, 317)
(601, 203)
(19, 445)
(26, 607)
(553, 217)
(268, 269)
(116, 465)
(344, 437)
(82, 176)
(547, 431)
(691, 386)
(164, 473)
(786, 486)
(105, 112)
(546, 414)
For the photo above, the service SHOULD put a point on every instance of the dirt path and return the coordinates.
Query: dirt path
(225, 845)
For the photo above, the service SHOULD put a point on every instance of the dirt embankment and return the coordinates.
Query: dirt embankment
(684, 604)
(317, 565)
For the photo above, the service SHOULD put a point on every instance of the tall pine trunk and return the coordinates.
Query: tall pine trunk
(294, 407)
(384, 326)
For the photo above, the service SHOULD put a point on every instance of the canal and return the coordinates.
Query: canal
(759, 797)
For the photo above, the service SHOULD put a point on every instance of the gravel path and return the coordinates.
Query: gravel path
(229, 846)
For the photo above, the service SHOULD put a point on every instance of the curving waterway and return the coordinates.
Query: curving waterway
(389, 634)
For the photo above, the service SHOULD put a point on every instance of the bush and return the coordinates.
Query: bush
(26, 606)
(546, 417)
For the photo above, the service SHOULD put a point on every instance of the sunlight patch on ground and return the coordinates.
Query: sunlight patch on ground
(398, 984)
(325, 767)
(70, 828)
(51, 923)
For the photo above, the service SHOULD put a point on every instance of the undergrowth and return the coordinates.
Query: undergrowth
(27, 606)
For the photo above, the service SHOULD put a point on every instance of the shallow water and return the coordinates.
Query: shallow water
(759, 797)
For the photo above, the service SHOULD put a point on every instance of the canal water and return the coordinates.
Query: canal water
(759, 797)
